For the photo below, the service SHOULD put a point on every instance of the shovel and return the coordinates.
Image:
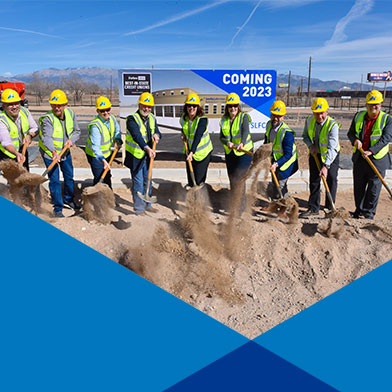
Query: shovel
(146, 197)
(325, 184)
(110, 162)
(190, 165)
(51, 166)
(276, 182)
(369, 161)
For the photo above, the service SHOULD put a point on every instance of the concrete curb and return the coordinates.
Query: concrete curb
(121, 178)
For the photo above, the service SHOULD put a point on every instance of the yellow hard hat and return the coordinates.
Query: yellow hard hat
(278, 108)
(10, 96)
(146, 99)
(58, 97)
(374, 97)
(320, 105)
(232, 99)
(193, 98)
(103, 103)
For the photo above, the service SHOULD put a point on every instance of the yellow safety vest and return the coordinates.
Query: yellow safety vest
(107, 136)
(377, 129)
(131, 146)
(13, 129)
(277, 147)
(58, 131)
(205, 145)
(323, 137)
(234, 134)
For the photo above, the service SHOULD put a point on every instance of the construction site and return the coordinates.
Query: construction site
(250, 268)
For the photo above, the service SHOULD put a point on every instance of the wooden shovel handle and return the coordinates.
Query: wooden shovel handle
(276, 182)
(154, 145)
(110, 162)
(369, 161)
(24, 149)
(50, 167)
(325, 183)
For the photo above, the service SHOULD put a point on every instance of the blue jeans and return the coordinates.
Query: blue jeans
(55, 183)
(97, 168)
(139, 174)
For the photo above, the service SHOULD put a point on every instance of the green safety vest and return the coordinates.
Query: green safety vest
(377, 129)
(233, 133)
(205, 145)
(131, 146)
(13, 129)
(324, 133)
(277, 148)
(107, 136)
(58, 131)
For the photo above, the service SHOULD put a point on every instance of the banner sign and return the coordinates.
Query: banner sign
(379, 76)
(256, 89)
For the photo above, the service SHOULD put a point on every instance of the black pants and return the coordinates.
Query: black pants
(237, 166)
(315, 180)
(26, 162)
(367, 187)
(200, 169)
(97, 167)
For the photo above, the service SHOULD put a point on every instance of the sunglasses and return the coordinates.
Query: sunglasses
(232, 106)
(191, 105)
(105, 110)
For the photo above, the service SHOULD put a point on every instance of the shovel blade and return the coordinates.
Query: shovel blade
(147, 199)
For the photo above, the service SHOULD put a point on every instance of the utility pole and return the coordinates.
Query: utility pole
(310, 70)
(288, 90)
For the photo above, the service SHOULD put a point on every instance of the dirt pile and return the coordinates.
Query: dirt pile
(98, 203)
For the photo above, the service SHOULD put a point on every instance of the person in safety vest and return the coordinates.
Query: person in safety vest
(195, 133)
(370, 130)
(59, 128)
(321, 135)
(284, 150)
(103, 133)
(236, 138)
(17, 127)
(142, 129)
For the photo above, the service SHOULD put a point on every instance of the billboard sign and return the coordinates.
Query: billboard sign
(379, 76)
(256, 89)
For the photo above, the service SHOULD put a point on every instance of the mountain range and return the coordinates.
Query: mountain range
(105, 76)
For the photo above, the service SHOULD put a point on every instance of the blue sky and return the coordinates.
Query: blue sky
(346, 38)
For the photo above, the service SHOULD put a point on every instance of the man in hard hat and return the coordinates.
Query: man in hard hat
(59, 128)
(321, 135)
(284, 150)
(142, 130)
(103, 133)
(17, 127)
(370, 130)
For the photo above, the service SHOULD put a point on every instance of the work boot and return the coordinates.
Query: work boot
(72, 205)
(59, 214)
(309, 213)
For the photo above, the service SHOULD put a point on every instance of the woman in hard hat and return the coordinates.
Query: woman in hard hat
(17, 127)
(103, 133)
(195, 134)
(236, 139)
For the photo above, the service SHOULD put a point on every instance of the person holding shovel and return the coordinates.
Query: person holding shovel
(321, 135)
(103, 132)
(198, 145)
(371, 132)
(17, 128)
(59, 130)
(142, 135)
(284, 150)
(236, 139)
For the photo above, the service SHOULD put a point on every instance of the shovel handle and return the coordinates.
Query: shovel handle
(244, 151)
(190, 164)
(24, 149)
(50, 167)
(154, 145)
(276, 182)
(325, 183)
(110, 162)
(369, 161)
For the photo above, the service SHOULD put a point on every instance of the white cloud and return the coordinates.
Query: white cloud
(360, 8)
(28, 31)
(176, 18)
(245, 23)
